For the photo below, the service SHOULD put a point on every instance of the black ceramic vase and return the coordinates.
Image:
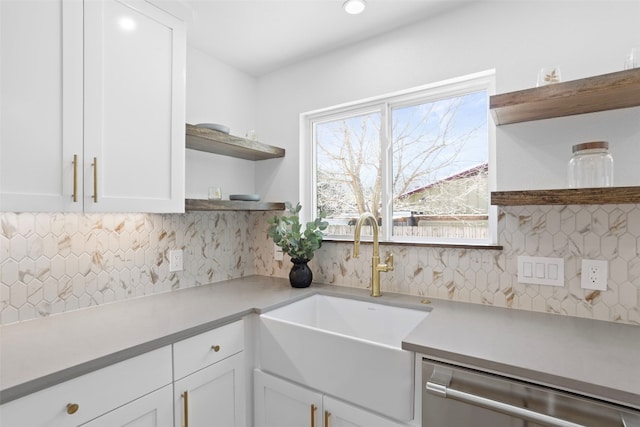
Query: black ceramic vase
(300, 275)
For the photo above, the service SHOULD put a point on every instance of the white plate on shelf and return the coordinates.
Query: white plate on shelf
(214, 126)
(245, 197)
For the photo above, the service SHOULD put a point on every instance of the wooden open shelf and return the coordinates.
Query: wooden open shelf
(572, 196)
(606, 92)
(231, 205)
(213, 141)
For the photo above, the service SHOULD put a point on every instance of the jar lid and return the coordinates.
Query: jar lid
(590, 146)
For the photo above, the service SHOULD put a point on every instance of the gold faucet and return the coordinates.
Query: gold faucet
(376, 267)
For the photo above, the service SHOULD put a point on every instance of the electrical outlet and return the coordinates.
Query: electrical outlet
(175, 260)
(277, 253)
(594, 274)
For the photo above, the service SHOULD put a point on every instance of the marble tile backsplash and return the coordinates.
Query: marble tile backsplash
(52, 263)
(605, 232)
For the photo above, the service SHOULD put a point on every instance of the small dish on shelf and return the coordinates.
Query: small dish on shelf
(245, 197)
(214, 126)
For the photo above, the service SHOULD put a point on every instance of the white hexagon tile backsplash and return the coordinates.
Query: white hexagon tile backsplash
(575, 232)
(51, 263)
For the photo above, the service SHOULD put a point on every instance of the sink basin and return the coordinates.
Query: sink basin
(347, 348)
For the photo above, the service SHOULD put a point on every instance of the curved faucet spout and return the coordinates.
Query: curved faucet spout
(376, 231)
(376, 266)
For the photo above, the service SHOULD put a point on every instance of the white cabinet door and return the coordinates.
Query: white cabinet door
(279, 403)
(40, 104)
(134, 127)
(152, 410)
(101, 82)
(341, 414)
(213, 396)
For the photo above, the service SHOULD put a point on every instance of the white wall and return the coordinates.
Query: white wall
(218, 93)
(516, 38)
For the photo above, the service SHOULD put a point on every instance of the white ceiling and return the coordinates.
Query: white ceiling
(260, 36)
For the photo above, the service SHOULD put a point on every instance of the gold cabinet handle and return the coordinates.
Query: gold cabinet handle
(327, 414)
(185, 402)
(313, 415)
(95, 179)
(72, 408)
(74, 197)
(215, 348)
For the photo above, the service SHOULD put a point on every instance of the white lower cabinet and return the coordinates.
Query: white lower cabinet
(209, 371)
(153, 410)
(122, 393)
(196, 382)
(280, 403)
(212, 397)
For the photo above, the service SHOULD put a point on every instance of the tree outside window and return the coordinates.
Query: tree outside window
(431, 153)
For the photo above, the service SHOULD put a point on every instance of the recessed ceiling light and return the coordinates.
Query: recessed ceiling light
(354, 7)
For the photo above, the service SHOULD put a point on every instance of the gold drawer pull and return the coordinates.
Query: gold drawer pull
(313, 415)
(215, 348)
(72, 408)
(74, 197)
(185, 401)
(327, 414)
(95, 180)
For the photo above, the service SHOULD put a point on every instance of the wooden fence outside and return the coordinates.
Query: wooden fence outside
(435, 229)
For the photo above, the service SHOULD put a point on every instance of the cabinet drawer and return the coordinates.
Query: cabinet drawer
(207, 348)
(94, 394)
(154, 409)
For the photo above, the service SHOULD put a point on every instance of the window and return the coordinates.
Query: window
(420, 161)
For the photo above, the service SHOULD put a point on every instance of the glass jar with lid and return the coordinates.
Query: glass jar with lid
(591, 165)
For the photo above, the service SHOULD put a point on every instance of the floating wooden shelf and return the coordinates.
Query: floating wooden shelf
(572, 196)
(231, 205)
(599, 93)
(212, 141)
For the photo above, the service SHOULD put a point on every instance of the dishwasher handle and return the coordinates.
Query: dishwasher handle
(629, 420)
(494, 405)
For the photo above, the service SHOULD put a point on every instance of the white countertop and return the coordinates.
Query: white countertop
(600, 359)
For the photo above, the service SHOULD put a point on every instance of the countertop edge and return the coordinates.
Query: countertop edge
(216, 304)
(42, 382)
(58, 377)
(518, 373)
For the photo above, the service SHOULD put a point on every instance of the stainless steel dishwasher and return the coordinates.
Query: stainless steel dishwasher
(458, 397)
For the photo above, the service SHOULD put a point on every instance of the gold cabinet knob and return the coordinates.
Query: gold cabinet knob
(215, 348)
(72, 408)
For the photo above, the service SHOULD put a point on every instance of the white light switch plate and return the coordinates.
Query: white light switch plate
(175, 260)
(541, 270)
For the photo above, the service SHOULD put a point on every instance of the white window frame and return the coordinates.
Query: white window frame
(484, 80)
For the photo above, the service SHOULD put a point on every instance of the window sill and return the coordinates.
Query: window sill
(480, 246)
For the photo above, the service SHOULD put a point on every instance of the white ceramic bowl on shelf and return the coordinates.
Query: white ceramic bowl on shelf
(214, 126)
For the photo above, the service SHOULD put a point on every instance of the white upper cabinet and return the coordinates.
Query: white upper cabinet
(99, 81)
(40, 104)
(134, 57)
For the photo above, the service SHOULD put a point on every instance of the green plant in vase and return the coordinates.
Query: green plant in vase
(286, 232)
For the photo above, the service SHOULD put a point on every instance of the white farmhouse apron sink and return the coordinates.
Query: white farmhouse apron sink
(346, 348)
